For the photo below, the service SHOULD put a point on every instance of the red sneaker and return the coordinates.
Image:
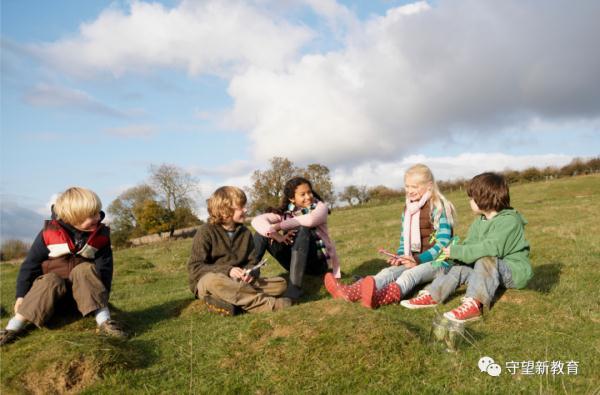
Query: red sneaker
(422, 301)
(470, 310)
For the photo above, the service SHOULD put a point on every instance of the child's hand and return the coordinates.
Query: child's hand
(287, 238)
(18, 303)
(394, 261)
(408, 261)
(237, 272)
(247, 278)
(446, 251)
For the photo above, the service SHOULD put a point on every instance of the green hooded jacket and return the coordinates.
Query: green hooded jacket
(503, 236)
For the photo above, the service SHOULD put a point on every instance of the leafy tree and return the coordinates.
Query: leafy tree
(124, 222)
(153, 217)
(320, 180)
(267, 185)
(142, 210)
(531, 174)
(184, 217)
(382, 193)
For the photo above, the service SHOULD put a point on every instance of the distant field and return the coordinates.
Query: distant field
(327, 346)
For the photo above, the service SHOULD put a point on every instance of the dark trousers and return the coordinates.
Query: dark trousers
(305, 239)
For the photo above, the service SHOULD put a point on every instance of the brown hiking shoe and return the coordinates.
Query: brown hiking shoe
(113, 329)
(8, 336)
(221, 307)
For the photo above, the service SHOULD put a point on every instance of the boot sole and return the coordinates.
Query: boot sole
(331, 285)
(452, 318)
(408, 305)
(220, 307)
(368, 291)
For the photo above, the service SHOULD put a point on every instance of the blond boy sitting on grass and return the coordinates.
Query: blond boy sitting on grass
(70, 258)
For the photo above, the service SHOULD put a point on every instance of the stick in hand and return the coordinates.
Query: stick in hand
(385, 252)
(256, 267)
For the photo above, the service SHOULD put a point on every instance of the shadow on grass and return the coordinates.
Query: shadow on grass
(545, 277)
(369, 268)
(311, 286)
(140, 321)
(65, 313)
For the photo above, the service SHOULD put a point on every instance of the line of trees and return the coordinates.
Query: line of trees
(576, 167)
(360, 194)
(13, 249)
(164, 203)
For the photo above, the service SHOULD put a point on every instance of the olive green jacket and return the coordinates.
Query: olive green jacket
(214, 251)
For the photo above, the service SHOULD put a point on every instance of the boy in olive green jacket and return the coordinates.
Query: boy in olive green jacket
(221, 266)
(495, 243)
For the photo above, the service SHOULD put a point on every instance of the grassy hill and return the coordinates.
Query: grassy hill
(327, 346)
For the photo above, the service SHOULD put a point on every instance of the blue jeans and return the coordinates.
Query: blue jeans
(483, 279)
(408, 279)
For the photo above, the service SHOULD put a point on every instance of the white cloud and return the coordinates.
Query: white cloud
(217, 37)
(467, 165)
(419, 74)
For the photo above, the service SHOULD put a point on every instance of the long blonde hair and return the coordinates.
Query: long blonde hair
(438, 200)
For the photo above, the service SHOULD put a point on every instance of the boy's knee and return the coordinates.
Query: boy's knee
(50, 280)
(486, 264)
(211, 283)
(83, 269)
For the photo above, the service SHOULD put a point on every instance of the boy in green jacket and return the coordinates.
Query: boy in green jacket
(495, 243)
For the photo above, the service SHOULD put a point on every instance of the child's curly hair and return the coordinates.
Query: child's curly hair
(223, 202)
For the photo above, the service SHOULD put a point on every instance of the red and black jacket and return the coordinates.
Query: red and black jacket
(58, 239)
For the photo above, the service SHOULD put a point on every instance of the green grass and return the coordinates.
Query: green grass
(327, 346)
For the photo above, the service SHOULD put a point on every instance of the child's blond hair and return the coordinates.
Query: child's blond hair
(438, 200)
(77, 204)
(222, 203)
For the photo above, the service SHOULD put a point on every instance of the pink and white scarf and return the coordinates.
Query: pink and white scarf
(411, 231)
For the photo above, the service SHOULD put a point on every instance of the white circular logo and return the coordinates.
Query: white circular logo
(494, 369)
(484, 362)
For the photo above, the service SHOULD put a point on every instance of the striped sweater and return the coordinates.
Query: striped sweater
(440, 238)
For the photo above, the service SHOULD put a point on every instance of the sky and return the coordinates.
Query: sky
(94, 92)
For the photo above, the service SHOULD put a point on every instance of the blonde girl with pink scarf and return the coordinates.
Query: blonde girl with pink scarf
(427, 222)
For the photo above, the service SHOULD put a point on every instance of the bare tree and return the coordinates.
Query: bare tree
(173, 184)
